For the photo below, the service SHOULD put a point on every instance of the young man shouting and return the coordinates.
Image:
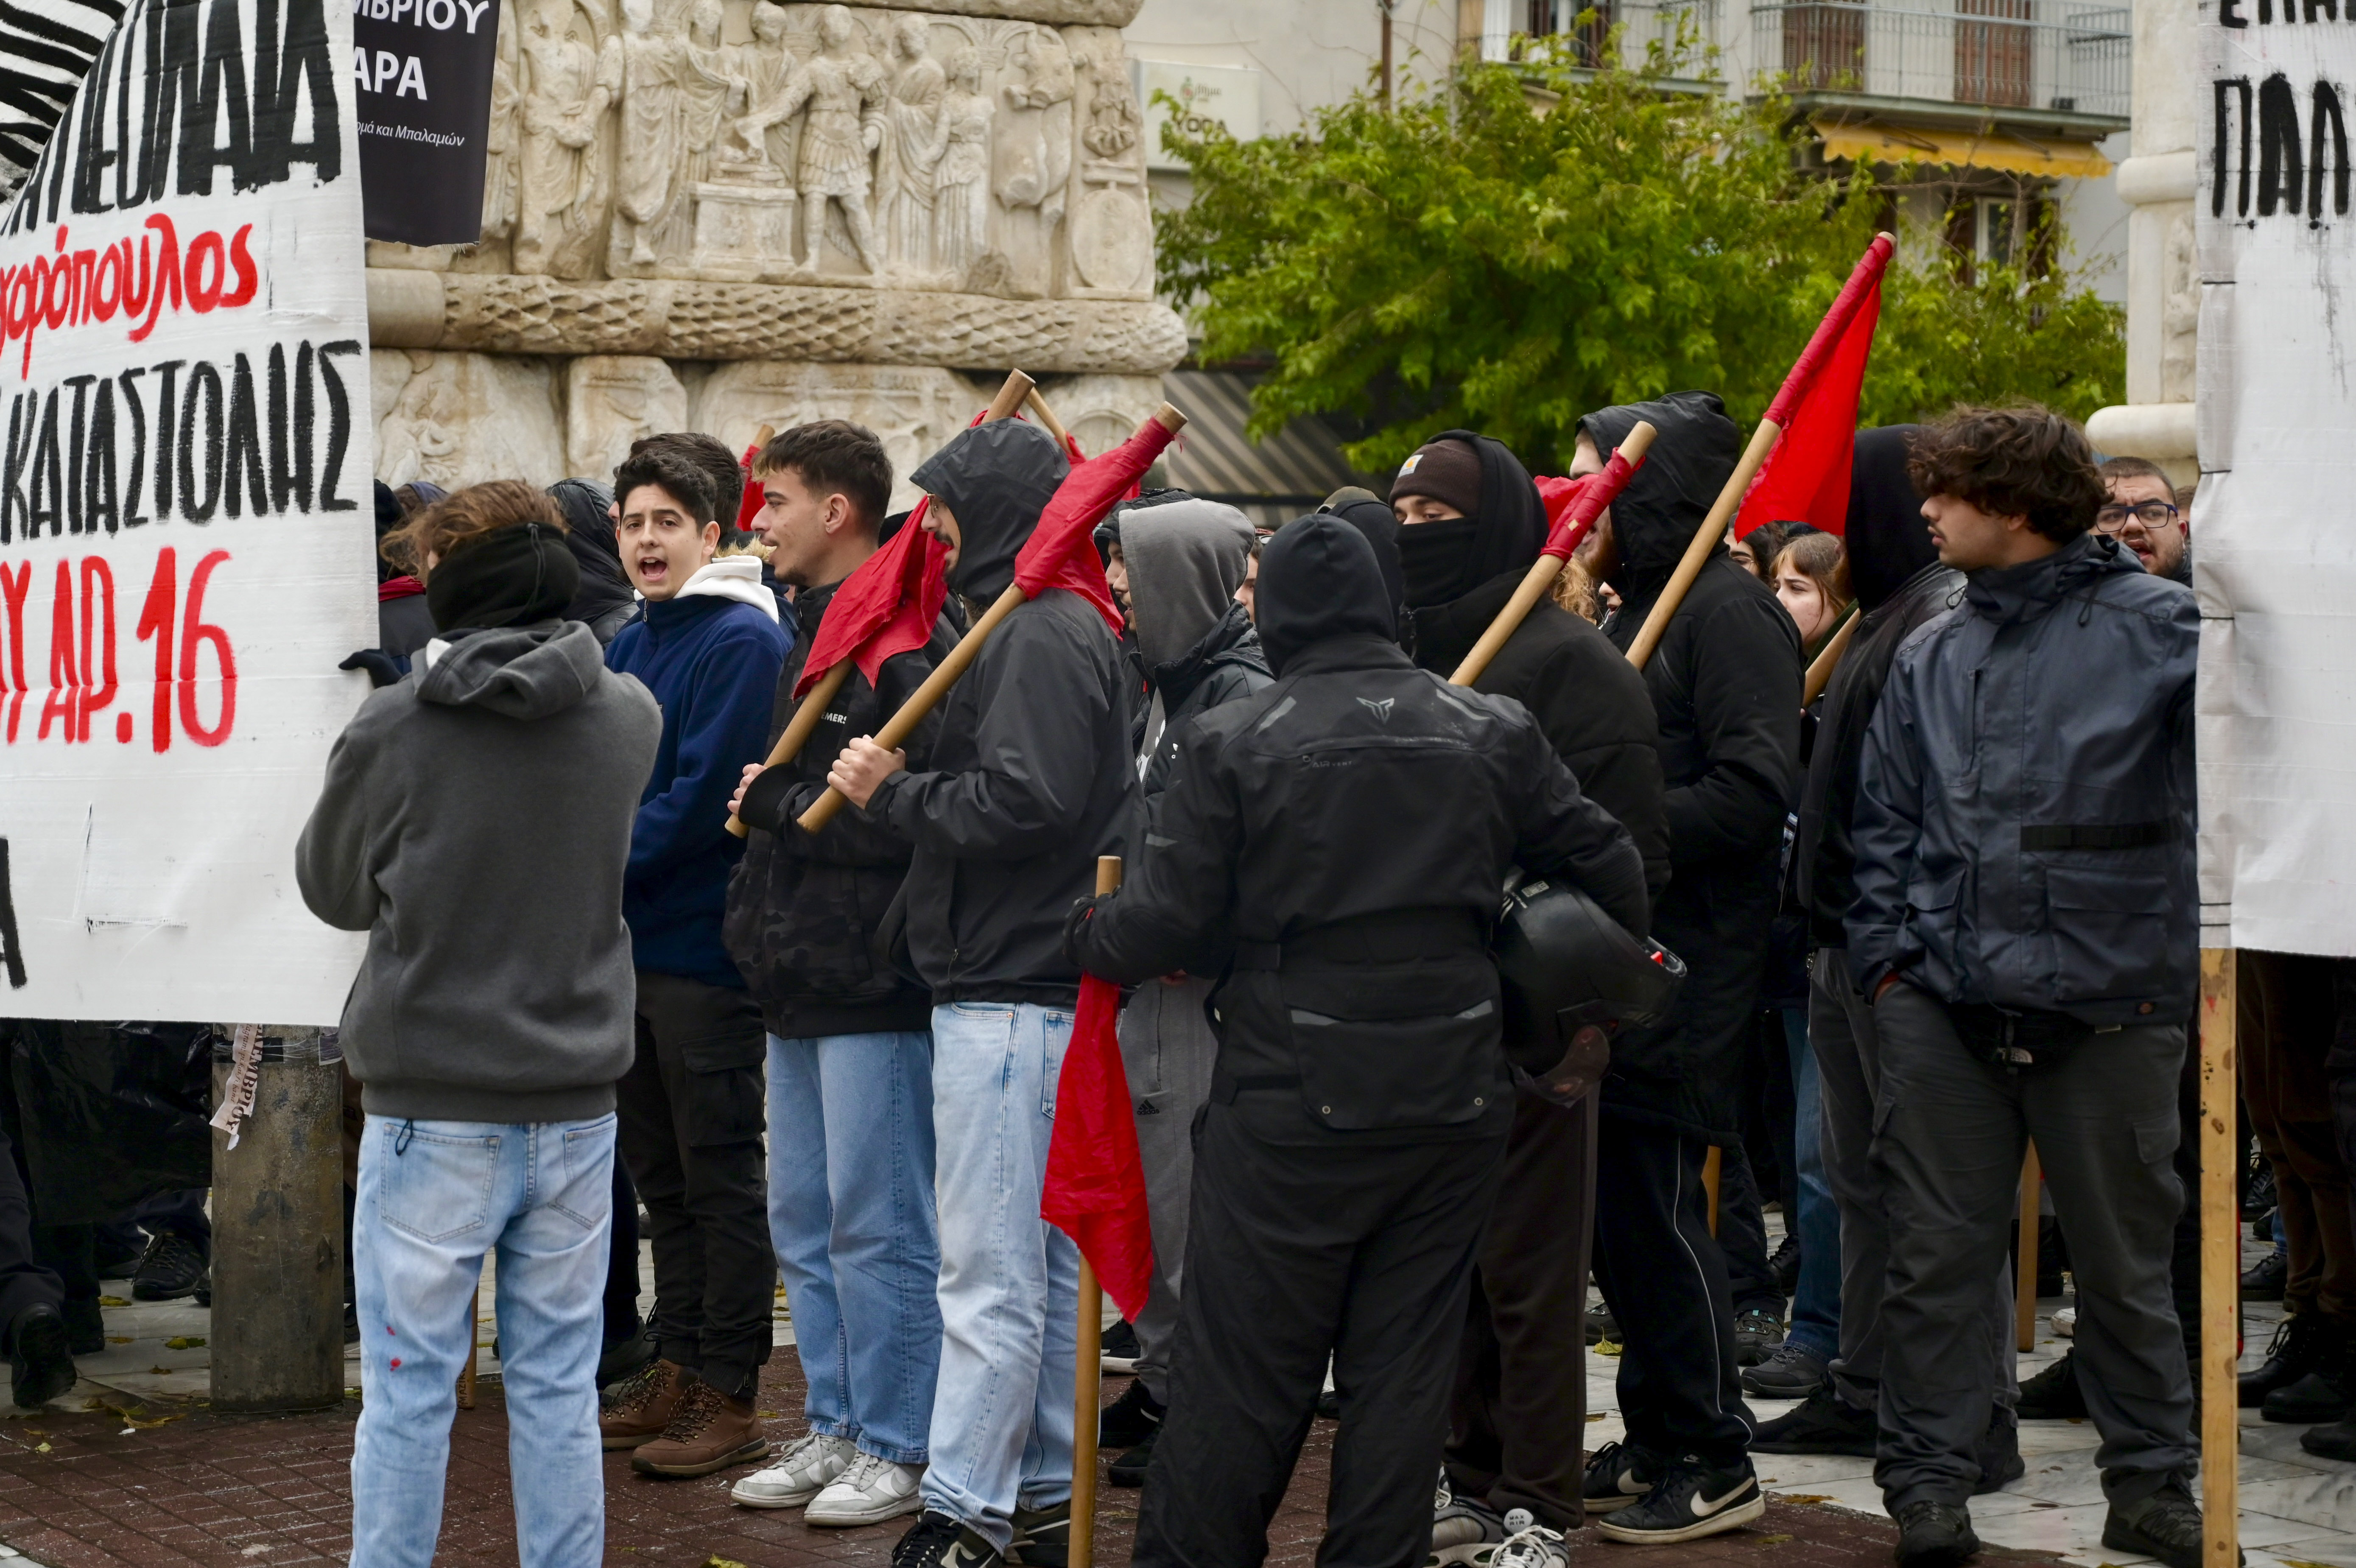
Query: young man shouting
(851, 1049)
(709, 648)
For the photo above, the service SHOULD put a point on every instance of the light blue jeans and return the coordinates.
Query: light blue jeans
(434, 1198)
(1816, 1301)
(851, 1213)
(1010, 1285)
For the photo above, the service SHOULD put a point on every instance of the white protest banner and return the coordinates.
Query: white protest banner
(186, 530)
(2275, 540)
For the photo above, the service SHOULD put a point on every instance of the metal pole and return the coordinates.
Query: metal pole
(2221, 1265)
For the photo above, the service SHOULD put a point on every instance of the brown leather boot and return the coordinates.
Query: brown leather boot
(637, 1409)
(708, 1432)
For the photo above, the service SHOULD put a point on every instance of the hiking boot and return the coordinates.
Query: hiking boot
(1131, 1419)
(1784, 1266)
(1602, 1325)
(1618, 1475)
(801, 1473)
(1043, 1537)
(85, 1326)
(1998, 1453)
(1934, 1535)
(41, 1358)
(872, 1490)
(637, 1409)
(2337, 1441)
(1117, 1351)
(1757, 1332)
(1532, 1546)
(2320, 1396)
(936, 1541)
(708, 1432)
(2266, 1278)
(2052, 1394)
(1463, 1528)
(1821, 1424)
(1129, 1470)
(1690, 1501)
(1793, 1372)
(169, 1268)
(2165, 1525)
(622, 1357)
(2299, 1346)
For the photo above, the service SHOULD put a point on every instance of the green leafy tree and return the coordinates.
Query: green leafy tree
(1467, 259)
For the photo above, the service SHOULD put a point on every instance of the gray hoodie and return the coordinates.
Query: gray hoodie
(476, 822)
(1186, 558)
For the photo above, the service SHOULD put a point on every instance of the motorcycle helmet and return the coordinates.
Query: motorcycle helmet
(1571, 975)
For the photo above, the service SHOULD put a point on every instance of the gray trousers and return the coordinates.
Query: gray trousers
(1167, 1049)
(1948, 1145)
(1848, 1083)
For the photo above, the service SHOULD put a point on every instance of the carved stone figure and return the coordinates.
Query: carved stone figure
(844, 91)
(568, 86)
(912, 149)
(612, 400)
(1033, 156)
(654, 121)
(499, 140)
(763, 68)
(961, 177)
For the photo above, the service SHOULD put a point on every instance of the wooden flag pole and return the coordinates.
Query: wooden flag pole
(1088, 1368)
(902, 724)
(763, 436)
(1754, 456)
(2024, 1267)
(1046, 417)
(2221, 1265)
(1536, 583)
(1712, 1165)
(806, 718)
(1828, 658)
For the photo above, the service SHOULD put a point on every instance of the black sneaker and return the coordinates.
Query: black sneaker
(85, 1326)
(1129, 1470)
(1329, 1405)
(1793, 1372)
(2165, 1525)
(1602, 1325)
(1934, 1535)
(41, 1360)
(1757, 1332)
(1998, 1453)
(1117, 1351)
(1043, 1537)
(2300, 1345)
(1463, 1528)
(1619, 1474)
(169, 1269)
(2052, 1394)
(1784, 1266)
(2337, 1441)
(2323, 1395)
(1692, 1500)
(2266, 1278)
(936, 1541)
(1131, 1419)
(622, 1357)
(1821, 1424)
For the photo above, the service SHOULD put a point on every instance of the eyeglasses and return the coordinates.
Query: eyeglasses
(2151, 514)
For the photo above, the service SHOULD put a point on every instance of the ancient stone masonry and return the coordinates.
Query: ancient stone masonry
(693, 205)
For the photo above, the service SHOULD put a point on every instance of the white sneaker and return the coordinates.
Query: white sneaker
(1531, 1545)
(870, 1492)
(2065, 1322)
(805, 1471)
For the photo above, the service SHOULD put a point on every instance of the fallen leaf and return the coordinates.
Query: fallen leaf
(42, 1448)
(1802, 1498)
(722, 1563)
(185, 1342)
(113, 1301)
(1607, 1348)
(1771, 1539)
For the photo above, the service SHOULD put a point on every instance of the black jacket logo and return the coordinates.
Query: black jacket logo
(1381, 709)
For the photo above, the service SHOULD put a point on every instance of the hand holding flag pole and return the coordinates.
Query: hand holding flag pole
(1594, 493)
(1863, 282)
(820, 692)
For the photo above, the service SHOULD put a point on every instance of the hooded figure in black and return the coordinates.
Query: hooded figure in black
(1333, 848)
(1516, 1432)
(605, 603)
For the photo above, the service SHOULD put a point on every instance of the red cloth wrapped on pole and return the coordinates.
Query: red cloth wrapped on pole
(1094, 1191)
(1060, 553)
(748, 506)
(1573, 505)
(886, 606)
(1806, 479)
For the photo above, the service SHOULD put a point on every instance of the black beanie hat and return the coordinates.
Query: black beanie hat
(1447, 471)
(509, 577)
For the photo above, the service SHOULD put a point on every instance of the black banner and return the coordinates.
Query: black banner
(423, 68)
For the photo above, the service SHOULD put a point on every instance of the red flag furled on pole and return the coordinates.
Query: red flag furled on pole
(749, 505)
(1060, 553)
(1806, 479)
(1573, 505)
(886, 606)
(1095, 1190)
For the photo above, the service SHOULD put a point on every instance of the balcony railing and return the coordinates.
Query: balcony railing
(1576, 31)
(2017, 54)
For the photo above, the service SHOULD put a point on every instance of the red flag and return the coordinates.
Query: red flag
(886, 606)
(748, 508)
(1805, 478)
(1094, 1191)
(1053, 557)
(1573, 505)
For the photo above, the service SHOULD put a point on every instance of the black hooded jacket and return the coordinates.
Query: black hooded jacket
(1591, 704)
(804, 909)
(1333, 847)
(606, 602)
(1895, 572)
(1031, 775)
(1725, 684)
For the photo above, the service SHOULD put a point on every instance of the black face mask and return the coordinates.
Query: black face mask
(1432, 557)
(510, 577)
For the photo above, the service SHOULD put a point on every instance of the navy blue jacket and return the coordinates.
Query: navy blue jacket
(713, 664)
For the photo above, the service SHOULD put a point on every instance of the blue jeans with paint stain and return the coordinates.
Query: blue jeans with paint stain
(434, 1198)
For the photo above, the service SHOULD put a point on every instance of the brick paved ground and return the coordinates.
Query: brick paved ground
(84, 1490)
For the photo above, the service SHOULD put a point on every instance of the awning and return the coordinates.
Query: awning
(1270, 481)
(1990, 149)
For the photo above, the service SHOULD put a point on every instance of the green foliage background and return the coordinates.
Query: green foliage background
(1486, 265)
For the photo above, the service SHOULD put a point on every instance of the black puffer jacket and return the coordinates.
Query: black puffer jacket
(1032, 775)
(804, 909)
(1725, 683)
(1225, 664)
(1335, 845)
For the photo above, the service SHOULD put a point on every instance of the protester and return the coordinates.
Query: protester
(1030, 780)
(1246, 589)
(1469, 523)
(2026, 925)
(2140, 512)
(1810, 576)
(607, 603)
(1755, 552)
(404, 623)
(849, 1053)
(33, 1333)
(709, 648)
(2337, 1440)
(1350, 827)
(1725, 684)
(475, 822)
